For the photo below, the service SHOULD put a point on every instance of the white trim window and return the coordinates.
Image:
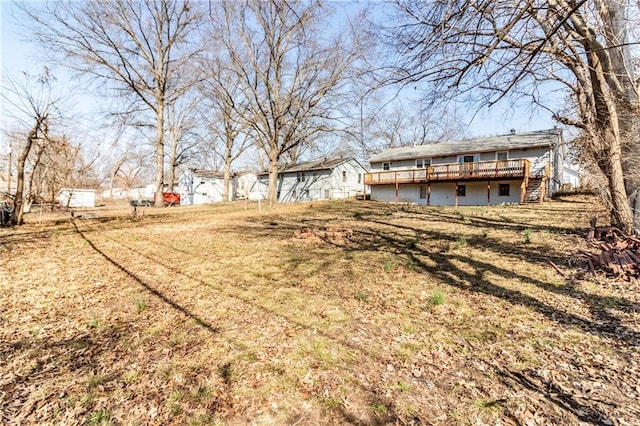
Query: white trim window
(502, 155)
(423, 163)
(423, 192)
(386, 165)
(468, 158)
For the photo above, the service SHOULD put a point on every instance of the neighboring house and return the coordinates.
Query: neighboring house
(77, 198)
(137, 193)
(571, 176)
(244, 185)
(200, 186)
(323, 179)
(513, 168)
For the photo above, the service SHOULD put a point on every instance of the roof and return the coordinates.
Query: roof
(325, 163)
(76, 190)
(208, 174)
(539, 138)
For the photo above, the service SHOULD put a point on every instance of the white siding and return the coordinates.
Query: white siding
(83, 198)
(196, 190)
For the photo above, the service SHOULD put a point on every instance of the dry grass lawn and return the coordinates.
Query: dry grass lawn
(219, 315)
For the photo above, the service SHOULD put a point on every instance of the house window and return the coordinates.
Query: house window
(502, 155)
(468, 158)
(301, 177)
(423, 163)
(423, 192)
(359, 177)
(386, 166)
(326, 194)
(344, 176)
(504, 189)
(462, 190)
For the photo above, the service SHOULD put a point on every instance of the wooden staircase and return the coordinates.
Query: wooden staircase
(535, 190)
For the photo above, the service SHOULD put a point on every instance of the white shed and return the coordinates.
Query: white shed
(75, 197)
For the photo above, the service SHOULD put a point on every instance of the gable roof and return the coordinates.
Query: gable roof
(208, 174)
(539, 138)
(325, 163)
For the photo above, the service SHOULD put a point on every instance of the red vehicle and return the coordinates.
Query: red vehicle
(171, 199)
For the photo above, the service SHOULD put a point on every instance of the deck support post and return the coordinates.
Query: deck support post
(428, 193)
(396, 190)
(523, 190)
(456, 204)
(488, 192)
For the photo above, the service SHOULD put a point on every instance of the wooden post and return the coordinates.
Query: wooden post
(396, 190)
(428, 193)
(523, 189)
(456, 204)
(488, 192)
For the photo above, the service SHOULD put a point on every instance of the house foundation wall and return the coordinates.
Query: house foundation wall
(444, 193)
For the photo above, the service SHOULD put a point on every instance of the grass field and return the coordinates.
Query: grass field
(222, 315)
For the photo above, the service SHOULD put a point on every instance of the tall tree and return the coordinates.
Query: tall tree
(181, 125)
(139, 46)
(288, 68)
(227, 116)
(31, 103)
(491, 49)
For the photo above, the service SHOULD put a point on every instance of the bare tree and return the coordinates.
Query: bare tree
(31, 102)
(139, 46)
(181, 125)
(227, 114)
(288, 70)
(487, 50)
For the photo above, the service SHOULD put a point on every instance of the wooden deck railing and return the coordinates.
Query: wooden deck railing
(480, 170)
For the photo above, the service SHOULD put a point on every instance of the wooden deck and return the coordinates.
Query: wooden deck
(481, 170)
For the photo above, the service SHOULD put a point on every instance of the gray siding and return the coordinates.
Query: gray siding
(343, 181)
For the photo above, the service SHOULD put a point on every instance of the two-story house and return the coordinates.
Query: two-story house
(513, 168)
(322, 179)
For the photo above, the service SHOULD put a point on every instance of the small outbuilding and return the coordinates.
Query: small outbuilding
(77, 198)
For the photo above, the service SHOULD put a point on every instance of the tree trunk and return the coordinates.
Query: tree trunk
(173, 159)
(607, 130)
(159, 201)
(227, 177)
(272, 194)
(611, 166)
(113, 176)
(18, 202)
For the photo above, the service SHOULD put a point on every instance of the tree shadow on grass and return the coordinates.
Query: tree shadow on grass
(467, 218)
(48, 359)
(604, 325)
(200, 321)
(553, 393)
(346, 416)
